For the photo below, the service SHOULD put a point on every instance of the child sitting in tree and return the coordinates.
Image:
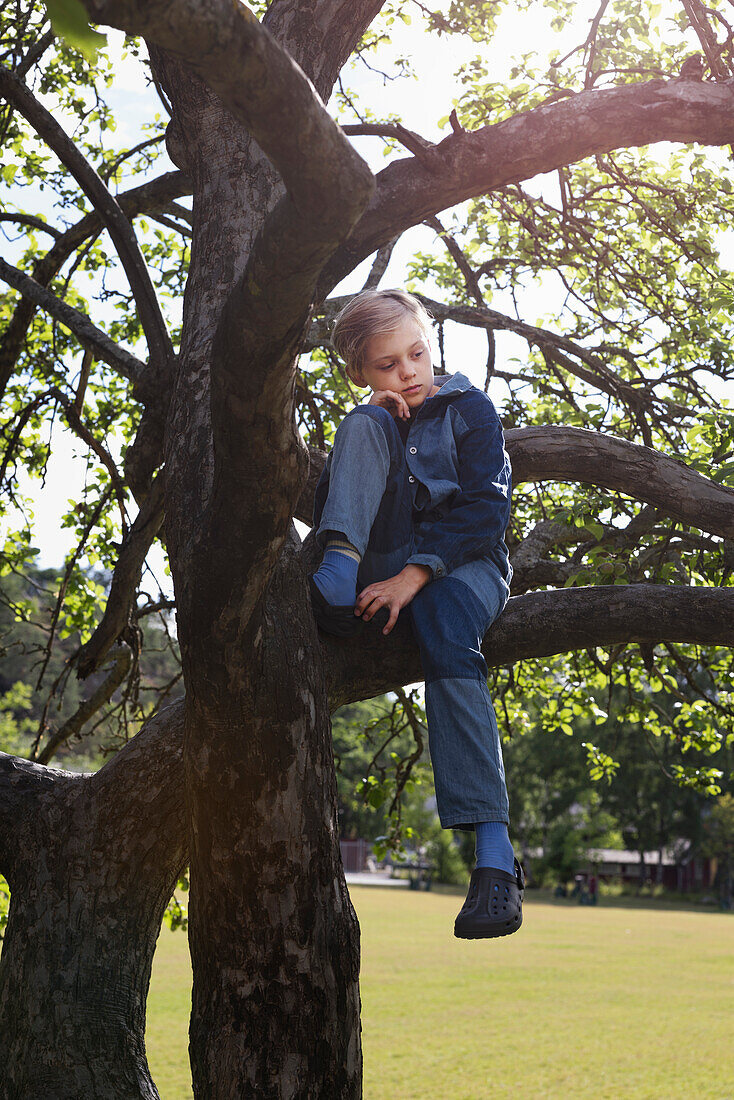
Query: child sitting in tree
(412, 509)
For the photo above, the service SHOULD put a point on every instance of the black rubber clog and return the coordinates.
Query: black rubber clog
(493, 905)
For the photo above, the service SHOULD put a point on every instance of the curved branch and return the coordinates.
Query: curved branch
(138, 200)
(32, 222)
(540, 140)
(532, 568)
(125, 579)
(118, 226)
(542, 624)
(419, 146)
(575, 454)
(89, 707)
(86, 332)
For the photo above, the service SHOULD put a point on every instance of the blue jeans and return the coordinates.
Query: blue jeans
(367, 495)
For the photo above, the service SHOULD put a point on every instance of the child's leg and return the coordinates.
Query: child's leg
(449, 620)
(450, 617)
(366, 515)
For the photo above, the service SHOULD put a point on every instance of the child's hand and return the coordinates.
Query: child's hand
(394, 402)
(394, 593)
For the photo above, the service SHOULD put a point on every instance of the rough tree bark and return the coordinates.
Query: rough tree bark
(91, 862)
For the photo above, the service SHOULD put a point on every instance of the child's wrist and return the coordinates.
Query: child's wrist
(419, 574)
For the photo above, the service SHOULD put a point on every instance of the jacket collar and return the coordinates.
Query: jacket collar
(450, 384)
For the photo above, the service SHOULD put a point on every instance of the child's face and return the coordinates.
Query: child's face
(400, 361)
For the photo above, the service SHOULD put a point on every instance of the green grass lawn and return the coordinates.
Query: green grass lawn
(611, 1002)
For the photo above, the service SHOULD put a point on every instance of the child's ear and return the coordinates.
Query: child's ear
(358, 380)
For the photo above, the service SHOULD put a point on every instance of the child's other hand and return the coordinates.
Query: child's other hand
(394, 402)
(394, 593)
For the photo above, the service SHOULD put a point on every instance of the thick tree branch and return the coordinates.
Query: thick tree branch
(88, 334)
(575, 454)
(335, 26)
(93, 860)
(118, 226)
(236, 187)
(155, 754)
(540, 140)
(541, 624)
(138, 200)
(22, 784)
(153, 757)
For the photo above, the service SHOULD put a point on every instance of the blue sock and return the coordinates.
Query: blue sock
(336, 577)
(493, 846)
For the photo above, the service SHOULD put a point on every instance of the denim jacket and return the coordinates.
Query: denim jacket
(463, 479)
(460, 479)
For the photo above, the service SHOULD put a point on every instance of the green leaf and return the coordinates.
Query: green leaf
(70, 21)
(724, 473)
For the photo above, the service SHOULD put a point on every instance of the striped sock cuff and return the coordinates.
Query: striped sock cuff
(342, 546)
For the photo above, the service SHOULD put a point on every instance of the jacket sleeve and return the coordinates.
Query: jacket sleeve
(474, 519)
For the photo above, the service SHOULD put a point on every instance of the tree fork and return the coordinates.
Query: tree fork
(92, 861)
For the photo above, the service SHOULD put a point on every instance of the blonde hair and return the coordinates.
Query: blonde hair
(371, 313)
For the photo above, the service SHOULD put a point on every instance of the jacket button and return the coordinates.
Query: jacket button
(414, 450)
(411, 478)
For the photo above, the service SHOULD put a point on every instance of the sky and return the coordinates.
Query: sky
(421, 102)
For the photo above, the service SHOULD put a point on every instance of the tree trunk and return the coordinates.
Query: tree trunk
(92, 862)
(274, 938)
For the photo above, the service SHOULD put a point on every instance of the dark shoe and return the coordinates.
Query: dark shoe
(493, 905)
(340, 621)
